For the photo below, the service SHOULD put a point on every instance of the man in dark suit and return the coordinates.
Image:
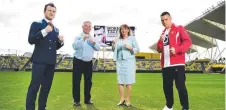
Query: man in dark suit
(45, 36)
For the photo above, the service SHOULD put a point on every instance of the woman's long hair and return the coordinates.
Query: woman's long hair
(123, 26)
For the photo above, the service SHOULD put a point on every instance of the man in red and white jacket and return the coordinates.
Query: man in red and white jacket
(173, 44)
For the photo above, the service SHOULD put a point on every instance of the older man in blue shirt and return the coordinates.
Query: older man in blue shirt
(84, 46)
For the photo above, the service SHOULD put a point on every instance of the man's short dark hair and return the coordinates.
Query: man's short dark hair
(165, 13)
(49, 4)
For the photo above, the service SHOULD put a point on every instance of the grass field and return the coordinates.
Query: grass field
(206, 92)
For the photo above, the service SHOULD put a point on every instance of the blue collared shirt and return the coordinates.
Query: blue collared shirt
(84, 50)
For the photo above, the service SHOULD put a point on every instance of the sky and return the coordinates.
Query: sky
(16, 17)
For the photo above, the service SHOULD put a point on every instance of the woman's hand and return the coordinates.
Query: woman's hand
(128, 47)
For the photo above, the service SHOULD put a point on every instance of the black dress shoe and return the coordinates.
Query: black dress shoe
(77, 104)
(121, 103)
(89, 102)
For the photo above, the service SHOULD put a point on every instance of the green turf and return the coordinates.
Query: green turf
(206, 92)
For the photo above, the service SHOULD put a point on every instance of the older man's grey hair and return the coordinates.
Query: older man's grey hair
(87, 22)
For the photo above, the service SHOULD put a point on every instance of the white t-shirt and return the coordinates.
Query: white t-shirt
(166, 48)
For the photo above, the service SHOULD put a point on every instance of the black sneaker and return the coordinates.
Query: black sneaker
(77, 104)
(89, 102)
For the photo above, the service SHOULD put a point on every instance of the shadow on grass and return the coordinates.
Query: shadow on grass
(88, 107)
(130, 107)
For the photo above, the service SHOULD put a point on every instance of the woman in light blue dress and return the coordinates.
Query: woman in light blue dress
(124, 54)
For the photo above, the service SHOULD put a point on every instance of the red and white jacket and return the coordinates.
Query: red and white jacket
(178, 38)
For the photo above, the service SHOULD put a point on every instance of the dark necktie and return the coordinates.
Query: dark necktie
(51, 24)
(52, 33)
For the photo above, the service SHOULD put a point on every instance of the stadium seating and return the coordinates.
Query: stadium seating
(12, 62)
(66, 63)
(108, 64)
(148, 65)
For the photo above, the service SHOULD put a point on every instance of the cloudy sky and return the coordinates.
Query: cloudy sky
(17, 15)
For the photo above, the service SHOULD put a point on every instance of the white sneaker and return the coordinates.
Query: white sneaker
(166, 108)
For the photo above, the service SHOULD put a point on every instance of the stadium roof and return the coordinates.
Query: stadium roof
(209, 26)
(217, 15)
